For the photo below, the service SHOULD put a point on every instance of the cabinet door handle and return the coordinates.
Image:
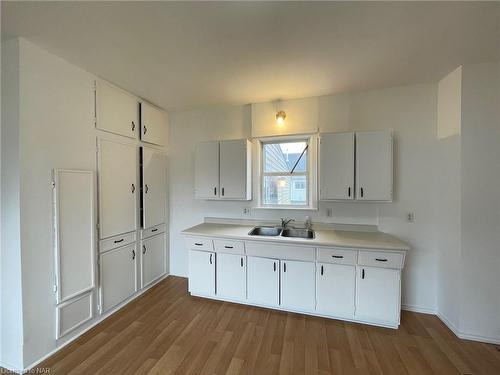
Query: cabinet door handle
(321, 270)
(363, 273)
(133, 254)
(228, 247)
(241, 262)
(337, 256)
(146, 189)
(133, 126)
(132, 188)
(215, 191)
(143, 249)
(154, 230)
(274, 266)
(145, 129)
(362, 192)
(381, 259)
(284, 267)
(222, 191)
(118, 241)
(210, 258)
(198, 244)
(349, 191)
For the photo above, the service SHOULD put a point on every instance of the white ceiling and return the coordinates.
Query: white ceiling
(183, 55)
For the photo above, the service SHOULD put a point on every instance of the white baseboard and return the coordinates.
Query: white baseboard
(418, 309)
(9, 367)
(99, 320)
(465, 335)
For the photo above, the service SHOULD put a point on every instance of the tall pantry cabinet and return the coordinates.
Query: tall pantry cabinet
(132, 193)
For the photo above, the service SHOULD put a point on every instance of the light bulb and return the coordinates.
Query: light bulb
(280, 117)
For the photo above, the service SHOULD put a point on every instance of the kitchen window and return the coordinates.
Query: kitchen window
(286, 173)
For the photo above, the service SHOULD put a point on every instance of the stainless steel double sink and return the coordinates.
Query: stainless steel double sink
(277, 231)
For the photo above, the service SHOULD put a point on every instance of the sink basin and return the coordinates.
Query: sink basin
(299, 233)
(265, 231)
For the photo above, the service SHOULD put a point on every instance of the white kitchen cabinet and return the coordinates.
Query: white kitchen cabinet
(118, 275)
(154, 124)
(335, 289)
(378, 294)
(235, 169)
(116, 110)
(263, 281)
(374, 166)
(152, 259)
(231, 276)
(117, 188)
(206, 173)
(154, 187)
(202, 272)
(297, 285)
(337, 166)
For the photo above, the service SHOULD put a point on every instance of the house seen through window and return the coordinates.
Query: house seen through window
(285, 173)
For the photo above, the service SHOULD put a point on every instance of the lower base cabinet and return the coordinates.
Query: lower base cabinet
(378, 294)
(152, 259)
(335, 289)
(201, 273)
(297, 285)
(118, 275)
(231, 276)
(263, 281)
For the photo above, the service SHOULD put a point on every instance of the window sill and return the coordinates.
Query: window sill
(293, 208)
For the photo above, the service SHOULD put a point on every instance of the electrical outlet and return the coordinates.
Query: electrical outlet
(329, 212)
(246, 210)
(410, 217)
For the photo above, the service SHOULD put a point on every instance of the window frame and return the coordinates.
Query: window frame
(310, 173)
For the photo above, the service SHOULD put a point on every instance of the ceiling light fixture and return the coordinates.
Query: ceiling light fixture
(280, 117)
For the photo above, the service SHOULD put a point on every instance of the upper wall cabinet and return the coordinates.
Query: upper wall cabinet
(337, 166)
(153, 125)
(223, 170)
(154, 187)
(374, 166)
(116, 110)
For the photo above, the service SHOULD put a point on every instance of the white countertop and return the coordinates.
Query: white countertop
(336, 238)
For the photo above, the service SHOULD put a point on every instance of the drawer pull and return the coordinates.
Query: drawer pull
(154, 230)
(198, 244)
(228, 247)
(284, 267)
(381, 259)
(241, 262)
(274, 266)
(143, 249)
(363, 274)
(118, 241)
(133, 254)
(338, 256)
(210, 258)
(321, 270)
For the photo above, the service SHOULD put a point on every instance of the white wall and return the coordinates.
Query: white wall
(410, 111)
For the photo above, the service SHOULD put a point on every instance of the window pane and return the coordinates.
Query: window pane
(281, 157)
(286, 190)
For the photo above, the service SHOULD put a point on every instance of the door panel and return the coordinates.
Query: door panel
(231, 276)
(153, 259)
(153, 125)
(207, 170)
(335, 289)
(202, 272)
(117, 188)
(233, 169)
(263, 281)
(297, 285)
(154, 187)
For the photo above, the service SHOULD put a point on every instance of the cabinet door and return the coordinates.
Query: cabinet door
(154, 187)
(263, 281)
(337, 166)
(378, 294)
(206, 174)
(202, 272)
(117, 188)
(374, 165)
(297, 285)
(117, 111)
(231, 276)
(152, 259)
(154, 125)
(117, 275)
(235, 169)
(335, 286)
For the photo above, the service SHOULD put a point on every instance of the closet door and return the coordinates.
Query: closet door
(206, 174)
(116, 110)
(235, 169)
(337, 166)
(154, 186)
(117, 188)
(153, 125)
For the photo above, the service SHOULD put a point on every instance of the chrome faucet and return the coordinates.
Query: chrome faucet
(285, 222)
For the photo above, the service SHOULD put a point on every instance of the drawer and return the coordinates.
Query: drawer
(199, 243)
(381, 259)
(291, 252)
(116, 241)
(230, 246)
(339, 256)
(157, 229)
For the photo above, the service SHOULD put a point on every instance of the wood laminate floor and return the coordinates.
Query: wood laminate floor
(166, 331)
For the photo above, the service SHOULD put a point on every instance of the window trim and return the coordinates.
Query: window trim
(311, 173)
